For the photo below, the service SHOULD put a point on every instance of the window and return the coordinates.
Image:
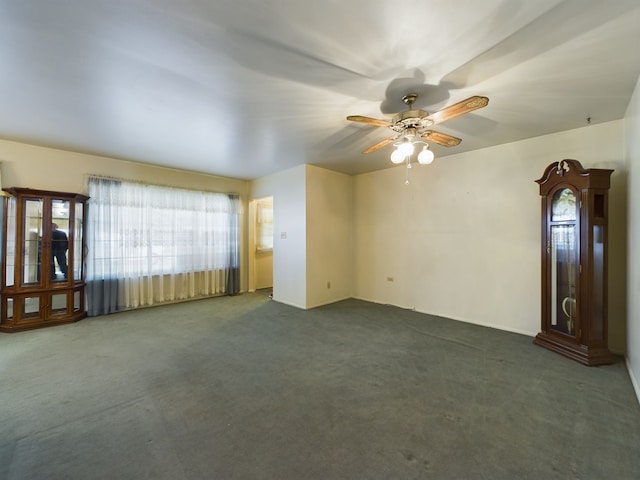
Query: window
(137, 231)
(264, 225)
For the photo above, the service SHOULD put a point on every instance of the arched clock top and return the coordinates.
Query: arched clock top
(572, 172)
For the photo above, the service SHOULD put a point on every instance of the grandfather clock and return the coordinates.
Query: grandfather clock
(574, 262)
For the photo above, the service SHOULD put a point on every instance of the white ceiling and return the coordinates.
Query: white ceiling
(245, 88)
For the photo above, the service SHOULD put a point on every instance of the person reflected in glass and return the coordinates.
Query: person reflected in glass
(59, 246)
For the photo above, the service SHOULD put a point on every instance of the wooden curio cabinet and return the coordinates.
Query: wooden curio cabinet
(574, 262)
(42, 266)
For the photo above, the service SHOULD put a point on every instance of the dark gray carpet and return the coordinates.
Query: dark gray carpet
(246, 388)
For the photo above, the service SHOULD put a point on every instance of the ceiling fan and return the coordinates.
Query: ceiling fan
(416, 123)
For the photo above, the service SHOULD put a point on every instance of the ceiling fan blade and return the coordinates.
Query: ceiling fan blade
(441, 138)
(369, 120)
(460, 108)
(380, 144)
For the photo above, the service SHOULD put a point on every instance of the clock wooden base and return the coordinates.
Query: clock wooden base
(580, 353)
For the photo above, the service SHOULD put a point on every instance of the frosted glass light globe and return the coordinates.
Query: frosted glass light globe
(397, 156)
(406, 148)
(425, 157)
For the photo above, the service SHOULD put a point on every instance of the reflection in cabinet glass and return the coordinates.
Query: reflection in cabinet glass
(42, 259)
(32, 241)
(574, 266)
(9, 253)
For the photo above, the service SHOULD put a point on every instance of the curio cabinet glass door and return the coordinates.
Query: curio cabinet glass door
(42, 259)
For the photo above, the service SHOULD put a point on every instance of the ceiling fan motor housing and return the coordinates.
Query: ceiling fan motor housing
(410, 119)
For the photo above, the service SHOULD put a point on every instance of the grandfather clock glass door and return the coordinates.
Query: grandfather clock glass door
(565, 262)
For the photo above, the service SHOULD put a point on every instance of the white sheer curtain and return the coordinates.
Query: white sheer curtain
(149, 244)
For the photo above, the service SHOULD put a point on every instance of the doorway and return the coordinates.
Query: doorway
(261, 244)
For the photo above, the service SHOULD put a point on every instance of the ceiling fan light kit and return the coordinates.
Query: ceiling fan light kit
(412, 124)
(397, 157)
(425, 157)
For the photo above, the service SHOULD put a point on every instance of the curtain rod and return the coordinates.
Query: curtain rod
(140, 182)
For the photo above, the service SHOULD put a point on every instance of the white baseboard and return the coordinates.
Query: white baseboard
(449, 317)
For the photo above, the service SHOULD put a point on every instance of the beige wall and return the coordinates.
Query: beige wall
(44, 168)
(264, 269)
(329, 228)
(50, 169)
(462, 240)
(312, 234)
(288, 189)
(632, 143)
